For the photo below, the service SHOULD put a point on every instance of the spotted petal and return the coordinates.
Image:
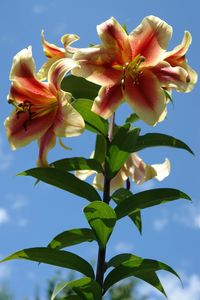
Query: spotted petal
(150, 39)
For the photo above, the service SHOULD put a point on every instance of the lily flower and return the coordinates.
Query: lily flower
(134, 67)
(42, 111)
(54, 53)
(134, 168)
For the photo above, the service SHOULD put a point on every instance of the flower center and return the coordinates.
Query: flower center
(131, 69)
(33, 111)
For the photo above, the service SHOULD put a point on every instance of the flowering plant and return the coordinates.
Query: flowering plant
(54, 104)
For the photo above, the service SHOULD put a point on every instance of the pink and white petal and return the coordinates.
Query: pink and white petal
(107, 101)
(57, 72)
(117, 182)
(68, 121)
(23, 75)
(67, 40)
(51, 50)
(43, 72)
(150, 39)
(98, 182)
(162, 170)
(146, 96)
(45, 143)
(114, 37)
(172, 77)
(96, 65)
(22, 130)
(83, 174)
(177, 55)
(23, 64)
(193, 78)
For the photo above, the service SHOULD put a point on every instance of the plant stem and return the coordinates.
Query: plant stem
(106, 199)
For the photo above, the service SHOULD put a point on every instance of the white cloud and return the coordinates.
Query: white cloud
(22, 222)
(173, 288)
(5, 159)
(38, 9)
(160, 224)
(5, 271)
(4, 217)
(17, 200)
(189, 216)
(123, 247)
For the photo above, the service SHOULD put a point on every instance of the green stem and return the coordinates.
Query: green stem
(106, 198)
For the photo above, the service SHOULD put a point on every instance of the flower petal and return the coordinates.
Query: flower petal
(162, 170)
(176, 57)
(115, 38)
(96, 66)
(21, 129)
(67, 40)
(23, 76)
(46, 143)
(146, 97)
(68, 121)
(172, 77)
(51, 50)
(58, 70)
(107, 101)
(150, 39)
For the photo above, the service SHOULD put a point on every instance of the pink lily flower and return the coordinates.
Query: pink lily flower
(134, 168)
(135, 67)
(54, 53)
(42, 111)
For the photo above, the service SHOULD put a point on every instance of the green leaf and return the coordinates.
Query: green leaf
(158, 139)
(100, 148)
(132, 118)
(64, 181)
(146, 199)
(72, 297)
(168, 96)
(54, 257)
(72, 237)
(77, 163)
(127, 265)
(102, 219)
(93, 122)
(122, 145)
(80, 87)
(86, 288)
(120, 196)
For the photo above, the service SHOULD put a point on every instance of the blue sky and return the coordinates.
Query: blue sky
(30, 216)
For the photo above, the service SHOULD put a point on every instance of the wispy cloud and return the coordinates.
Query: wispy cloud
(4, 217)
(174, 290)
(5, 159)
(123, 247)
(189, 216)
(38, 9)
(5, 272)
(17, 201)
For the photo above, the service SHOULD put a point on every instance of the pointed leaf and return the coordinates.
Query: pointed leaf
(132, 118)
(120, 196)
(138, 267)
(64, 181)
(72, 237)
(102, 219)
(158, 139)
(86, 288)
(80, 87)
(54, 257)
(146, 199)
(77, 163)
(93, 122)
(122, 145)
